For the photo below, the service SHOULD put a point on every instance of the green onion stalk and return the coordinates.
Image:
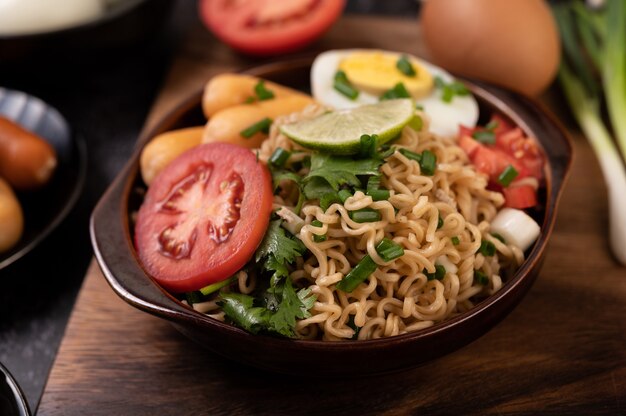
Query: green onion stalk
(594, 42)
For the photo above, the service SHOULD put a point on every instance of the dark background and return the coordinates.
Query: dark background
(105, 97)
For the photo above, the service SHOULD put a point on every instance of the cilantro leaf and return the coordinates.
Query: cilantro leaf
(240, 310)
(283, 305)
(341, 170)
(279, 245)
(317, 187)
(280, 269)
(283, 321)
(308, 300)
(281, 175)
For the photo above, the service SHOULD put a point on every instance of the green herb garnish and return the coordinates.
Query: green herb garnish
(260, 126)
(405, 66)
(343, 86)
(506, 177)
(398, 91)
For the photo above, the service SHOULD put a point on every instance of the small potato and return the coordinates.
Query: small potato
(26, 160)
(227, 125)
(11, 217)
(166, 147)
(227, 90)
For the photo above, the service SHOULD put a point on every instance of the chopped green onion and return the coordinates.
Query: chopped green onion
(450, 90)
(279, 157)
(439, 222)
(419, 107)
(343, 86)
(411, 155)
(207, 290)
(485, 137)
(328, 199)
(416, 123)
(439, 274)
(373, 189)
(318, 238)
(344, 194)
(368, 145)
(261, 92)
(498, 237)
(455, 240)
(481, 278)
(447, 94)
(398, 91)
(379, 194)
(459, 88)
(405, 66)
(506, 177)
(487, 248)
(373, 182)
(492, 125)
(389, 250)
(365, 215)
(249, 100)
(261, 126)
(428, 163)
(364, 268)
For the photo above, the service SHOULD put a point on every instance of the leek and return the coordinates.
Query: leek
(604, 35)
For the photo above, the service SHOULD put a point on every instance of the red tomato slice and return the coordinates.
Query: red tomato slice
(269, 27)
(520, 197)
(203, 216)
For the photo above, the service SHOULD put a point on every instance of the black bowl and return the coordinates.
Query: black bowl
(45, 208)
(113, 244)
(12, 400)
(125, 23)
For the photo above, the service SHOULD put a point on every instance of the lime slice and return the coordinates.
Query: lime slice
(339, 132)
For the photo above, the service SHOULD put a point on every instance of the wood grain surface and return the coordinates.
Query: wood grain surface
(561, 352)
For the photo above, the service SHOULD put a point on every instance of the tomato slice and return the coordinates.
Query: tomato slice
(269, 27)
(203, 216)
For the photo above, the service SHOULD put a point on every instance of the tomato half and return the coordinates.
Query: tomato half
(203, 216)
(269, 27)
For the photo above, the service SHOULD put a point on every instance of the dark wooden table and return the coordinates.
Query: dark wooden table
(560, 352)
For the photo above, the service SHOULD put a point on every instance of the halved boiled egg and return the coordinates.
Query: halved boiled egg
(372, 73)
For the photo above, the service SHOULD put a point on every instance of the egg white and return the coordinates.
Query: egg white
(444, 117)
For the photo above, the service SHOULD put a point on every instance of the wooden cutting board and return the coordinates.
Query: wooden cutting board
(560, 352)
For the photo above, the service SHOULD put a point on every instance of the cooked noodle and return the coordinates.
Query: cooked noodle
(397, 297)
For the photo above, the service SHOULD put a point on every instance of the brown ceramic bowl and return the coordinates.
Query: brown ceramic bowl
(112, 238)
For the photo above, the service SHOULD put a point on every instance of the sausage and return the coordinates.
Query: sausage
(227, 90)
(11, 217)
(26, 160)
(164, 148)
(227, 125)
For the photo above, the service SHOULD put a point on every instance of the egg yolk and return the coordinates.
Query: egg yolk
(377, 73)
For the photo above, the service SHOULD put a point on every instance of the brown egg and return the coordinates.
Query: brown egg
(512, 43)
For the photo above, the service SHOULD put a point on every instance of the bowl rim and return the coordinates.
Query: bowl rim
(111, 12)
(523, 275)
(79, 147)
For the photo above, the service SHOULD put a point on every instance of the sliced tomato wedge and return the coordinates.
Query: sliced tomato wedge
(269, 27)
(511, 148)
(203, 216)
